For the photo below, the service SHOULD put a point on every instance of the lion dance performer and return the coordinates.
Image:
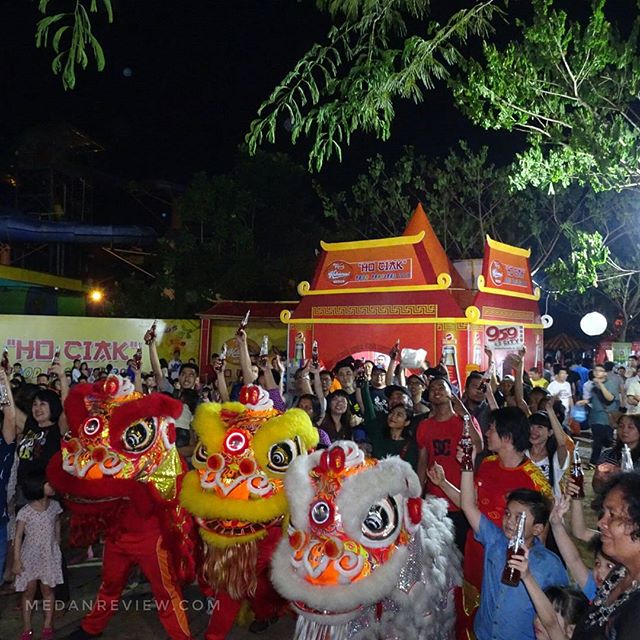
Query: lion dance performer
(236, 493)
(366, 557)
(119, 474)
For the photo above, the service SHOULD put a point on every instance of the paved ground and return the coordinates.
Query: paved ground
(137, 621)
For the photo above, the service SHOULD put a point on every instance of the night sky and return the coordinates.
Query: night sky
(199, 71)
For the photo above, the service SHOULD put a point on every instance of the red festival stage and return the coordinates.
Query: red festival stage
(367, 294)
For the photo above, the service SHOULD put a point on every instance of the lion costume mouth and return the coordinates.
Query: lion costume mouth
(234, 528)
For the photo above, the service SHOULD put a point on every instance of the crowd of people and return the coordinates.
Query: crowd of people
(523, 427)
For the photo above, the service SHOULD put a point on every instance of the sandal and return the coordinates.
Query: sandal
(27, 635)
(47, 634)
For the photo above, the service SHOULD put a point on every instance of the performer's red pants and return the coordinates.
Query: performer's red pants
(119, 558)
(265, 604)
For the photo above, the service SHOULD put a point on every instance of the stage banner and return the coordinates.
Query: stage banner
(33, 340)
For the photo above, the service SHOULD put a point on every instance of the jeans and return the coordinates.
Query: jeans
(602, 435)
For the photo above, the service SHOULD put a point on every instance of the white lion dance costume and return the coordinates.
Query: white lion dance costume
(366, 557)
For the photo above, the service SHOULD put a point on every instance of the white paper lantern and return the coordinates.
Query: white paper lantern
(593, 324)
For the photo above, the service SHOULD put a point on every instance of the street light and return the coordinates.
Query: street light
(96, 296)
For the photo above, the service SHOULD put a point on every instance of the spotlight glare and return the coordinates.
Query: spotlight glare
(95, 295)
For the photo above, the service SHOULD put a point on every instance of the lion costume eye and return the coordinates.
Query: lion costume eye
(381, 521)
(139, 436)
(321, 513)
(282, 454)
(92, 426)
(200, 455)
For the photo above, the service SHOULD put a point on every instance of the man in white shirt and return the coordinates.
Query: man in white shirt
(561, 388)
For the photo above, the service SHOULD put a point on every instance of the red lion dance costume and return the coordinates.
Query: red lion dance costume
(118, 473)
(237, 496)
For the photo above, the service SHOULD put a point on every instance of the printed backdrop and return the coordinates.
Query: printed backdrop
(33, 340)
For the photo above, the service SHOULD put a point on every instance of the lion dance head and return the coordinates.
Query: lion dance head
(118, 454)
(365, 554)
(236, 491)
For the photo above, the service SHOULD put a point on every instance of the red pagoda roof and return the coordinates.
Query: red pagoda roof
(237, 309)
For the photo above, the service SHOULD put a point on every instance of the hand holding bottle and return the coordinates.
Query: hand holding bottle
(520, 563)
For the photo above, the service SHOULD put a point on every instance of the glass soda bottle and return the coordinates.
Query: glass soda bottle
(466, 444)
(264, 350)
(511, 576)
(4, 392)
(222, 358)
(577, 475)
(626, 461)
(244, 322)
(137, 359)
(150, 335)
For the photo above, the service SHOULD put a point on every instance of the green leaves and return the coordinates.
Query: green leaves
(571, 87)
(350, 83)
(579, 271)
(72, 42)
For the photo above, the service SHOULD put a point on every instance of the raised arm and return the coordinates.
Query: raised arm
(9, 411)
(561, 437)
(222, 382)
(394, 359)
(543, 606)
(518, 361)
(437, 476)
(468, 500)
(245, 358)
(579, 527)
(567, 548)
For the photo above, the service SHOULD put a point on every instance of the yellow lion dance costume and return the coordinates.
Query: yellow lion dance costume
(236, 494)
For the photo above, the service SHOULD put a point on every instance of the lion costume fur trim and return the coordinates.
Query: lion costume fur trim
(232, 569)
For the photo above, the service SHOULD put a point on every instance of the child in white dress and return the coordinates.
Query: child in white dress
(37, 552)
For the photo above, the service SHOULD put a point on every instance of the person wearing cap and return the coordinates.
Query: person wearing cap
(390, 434)
(548, 447)
(417, 387)
(376, 389)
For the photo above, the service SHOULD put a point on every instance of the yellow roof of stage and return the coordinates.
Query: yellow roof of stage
(43, 279)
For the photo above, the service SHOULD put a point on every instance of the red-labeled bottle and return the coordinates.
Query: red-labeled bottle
(511, 576)
(137, 359)
(222, 359)
(577, 474)
(150, 335)
(466, 444)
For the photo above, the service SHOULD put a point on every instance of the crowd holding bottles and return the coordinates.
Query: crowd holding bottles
(503, 452)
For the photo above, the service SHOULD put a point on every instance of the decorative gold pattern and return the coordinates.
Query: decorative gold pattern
(451, 326)
(377, 310)
(507, 314)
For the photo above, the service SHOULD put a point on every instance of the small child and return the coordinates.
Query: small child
(558, 609)
(37, 552)
(507, 612)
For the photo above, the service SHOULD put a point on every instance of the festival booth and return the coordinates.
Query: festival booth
(367, 294)
(218, 326)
